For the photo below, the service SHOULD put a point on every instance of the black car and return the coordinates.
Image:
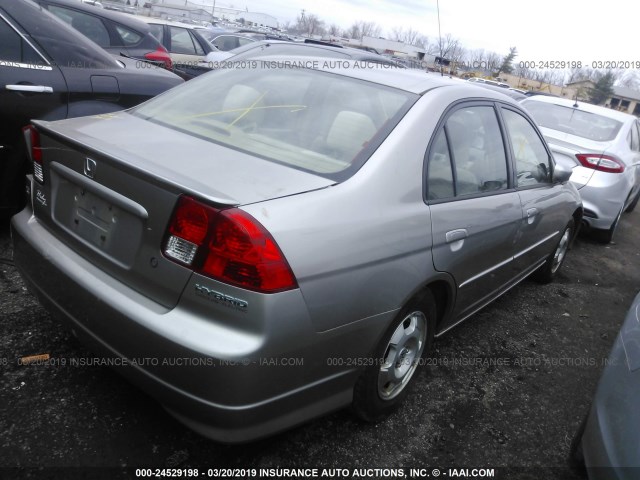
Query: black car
(116, 32)
(50, 71)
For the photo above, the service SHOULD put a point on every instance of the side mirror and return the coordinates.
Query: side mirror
(561, 174)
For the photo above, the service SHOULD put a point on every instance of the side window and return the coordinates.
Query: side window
(477, 150)
(10, 44)
(14, 49)
(156, 31)
(88, 25)
(530, 155)
(128, 37)
(440, 176)
(199, 50)
(634, 142)
(181, 41)
(244, 41)
(226, 42)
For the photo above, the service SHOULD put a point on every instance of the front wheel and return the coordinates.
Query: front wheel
(547, 272)
(384, 383)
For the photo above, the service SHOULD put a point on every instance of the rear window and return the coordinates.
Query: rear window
(573, 121)
(316, 121)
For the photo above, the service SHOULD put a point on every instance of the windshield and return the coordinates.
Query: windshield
(320, 122)
(573, 121)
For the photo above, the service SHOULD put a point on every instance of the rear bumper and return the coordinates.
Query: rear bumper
(227, 384)
(603, 197)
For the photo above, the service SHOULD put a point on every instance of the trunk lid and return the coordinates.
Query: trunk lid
(565, 146)
(112, 182)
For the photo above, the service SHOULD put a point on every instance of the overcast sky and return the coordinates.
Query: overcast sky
(542, 30)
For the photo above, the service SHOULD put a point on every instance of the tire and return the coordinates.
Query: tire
(633, 204)
(384, 384)
(547, 272)
(606, 236)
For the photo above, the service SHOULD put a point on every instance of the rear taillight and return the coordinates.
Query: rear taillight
(32, 139)
(603, 163)
(228, 245)
(160, 54)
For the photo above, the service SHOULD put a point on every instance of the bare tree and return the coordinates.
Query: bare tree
(407, 36)
(334, 30)
(363, 29)
(309, 24)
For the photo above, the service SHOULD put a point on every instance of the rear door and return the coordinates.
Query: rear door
(544, 213)
(31, 87)
(475, 212)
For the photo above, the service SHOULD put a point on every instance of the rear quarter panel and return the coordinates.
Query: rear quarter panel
(362, 247)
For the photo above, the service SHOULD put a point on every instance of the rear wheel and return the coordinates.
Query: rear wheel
(384, 384)
(552, 265)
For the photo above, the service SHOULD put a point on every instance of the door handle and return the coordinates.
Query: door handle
(455, 235)
(30, 88)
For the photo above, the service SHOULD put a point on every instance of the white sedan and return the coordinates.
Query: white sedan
(602, 146)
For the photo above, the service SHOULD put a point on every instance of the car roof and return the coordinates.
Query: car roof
(409, 80)
(130, 21)
(166, 22)
(354, 53)
(505, 91)
(587, 107)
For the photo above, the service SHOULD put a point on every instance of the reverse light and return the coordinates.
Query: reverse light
(32, 139)
(602, 163)
(228, 245)
(160, 54)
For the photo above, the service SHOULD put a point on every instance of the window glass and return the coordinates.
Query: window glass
(226, 42)
(14, 49)
(156, 31)
(10, 44)
(532, 159)
(181, 41)
(90, 26)
(244, 41)
(129, 37)
(196, 44)
(573, 121)
(635, 141)
(440, 176)
(303, 118)
(478, 150)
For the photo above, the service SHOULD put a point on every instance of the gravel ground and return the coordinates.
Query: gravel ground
(507, 388)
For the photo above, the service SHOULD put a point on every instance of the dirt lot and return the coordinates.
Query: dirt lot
(508, 388)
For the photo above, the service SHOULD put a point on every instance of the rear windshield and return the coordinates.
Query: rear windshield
(573, 121)
(316, 121)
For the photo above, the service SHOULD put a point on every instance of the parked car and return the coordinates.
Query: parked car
(298, 235)
(185, 44)
(117, 33)
(602, 147)
(278, 47)
(225, 41)
(51, 71)
(608, 441)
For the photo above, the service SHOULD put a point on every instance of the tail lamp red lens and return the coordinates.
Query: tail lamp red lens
(228, 245)
(32, 139)
(602, 163)
(160, 54)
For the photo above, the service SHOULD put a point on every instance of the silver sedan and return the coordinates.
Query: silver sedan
(267, 244)
(602, 147)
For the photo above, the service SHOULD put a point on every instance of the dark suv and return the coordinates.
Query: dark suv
(50, 71)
